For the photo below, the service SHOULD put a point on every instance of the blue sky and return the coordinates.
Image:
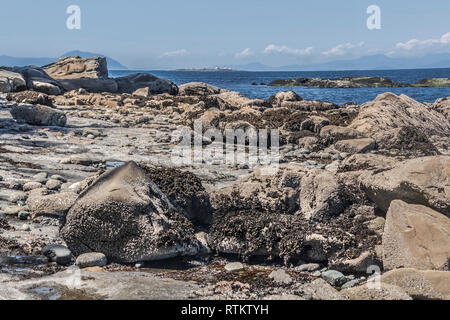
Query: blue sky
(145, 34)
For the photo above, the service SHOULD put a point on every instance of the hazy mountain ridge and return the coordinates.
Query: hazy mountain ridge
(373, 62)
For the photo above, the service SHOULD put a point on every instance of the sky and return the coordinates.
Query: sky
(150, 34)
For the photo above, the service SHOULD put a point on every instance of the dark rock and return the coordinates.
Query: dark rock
(38, 115)
(185, 191)
(30, 97)
(57, 253)
(125, 216)
(131, 83)
(333, 277)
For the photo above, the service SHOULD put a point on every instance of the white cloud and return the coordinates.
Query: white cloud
(284, 49)
(415, 43)
(244, 53)
(176, 53)
(342, 49)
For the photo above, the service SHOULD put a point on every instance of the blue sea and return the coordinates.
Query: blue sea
(241, 81)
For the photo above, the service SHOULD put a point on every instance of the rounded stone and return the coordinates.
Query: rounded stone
(40, 177)
(13, 210)
(53, 184)
(333, 277)
(32, 185)
(92, 259)
(18, 196)
(234, 266)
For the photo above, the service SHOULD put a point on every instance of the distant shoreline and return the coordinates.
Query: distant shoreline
(272, 71)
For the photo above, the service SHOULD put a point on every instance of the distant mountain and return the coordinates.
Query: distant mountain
(20, 62)
(112, 64)
(373, 62)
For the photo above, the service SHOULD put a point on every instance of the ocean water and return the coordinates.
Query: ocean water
(241, 81)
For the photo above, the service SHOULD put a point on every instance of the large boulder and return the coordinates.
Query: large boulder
(38, 115)
(185, 191)
(251, 233)
(320, 195)
(416, 237)
(125, 216)
(333, 134)
(90, 84)
(37, 79)
(76, 67)
(198, 89)
(261, 192)
(11, 81)
(131, 83)
(443, 106)
(405, 141)
(420, 284)
(385, 291)
(314, 124)
(353, 146)
(390, 111)
(423, 181)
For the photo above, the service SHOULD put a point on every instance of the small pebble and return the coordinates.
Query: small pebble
(25, 227)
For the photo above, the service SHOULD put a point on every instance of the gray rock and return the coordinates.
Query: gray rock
(32, 185)
(53, 184)
(333, 277)
(280, 276)
(350, 284)
(234, 266)
(57, 253)
(320, 195)
(319, 289)
(52, 205)
(352, 146)
(18, 196)
(91, 259)
(40, 177)
(422, 181)
(37, 79)
(13, 210)
(308, 267)
(11, 81)
(38, 115)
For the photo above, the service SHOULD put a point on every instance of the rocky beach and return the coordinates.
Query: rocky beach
(96, 204)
